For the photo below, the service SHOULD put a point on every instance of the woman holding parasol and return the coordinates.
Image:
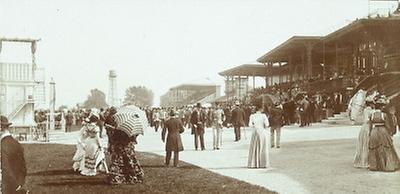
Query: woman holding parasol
(123, 127)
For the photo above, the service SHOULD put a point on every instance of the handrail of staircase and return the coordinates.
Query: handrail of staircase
(18, 105)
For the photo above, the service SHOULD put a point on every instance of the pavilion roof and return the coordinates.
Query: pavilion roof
(258, 70)
(372, 27)
(18, 39)
(280, 52)
(193, 86)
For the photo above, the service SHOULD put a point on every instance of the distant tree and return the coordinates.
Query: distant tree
(139, 96)
(96, 99)
(62, 107)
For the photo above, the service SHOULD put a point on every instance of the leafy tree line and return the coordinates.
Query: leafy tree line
(137, 95)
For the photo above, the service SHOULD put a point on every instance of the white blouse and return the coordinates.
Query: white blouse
(258, 120)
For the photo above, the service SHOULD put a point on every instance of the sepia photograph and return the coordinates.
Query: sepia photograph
(199, 96)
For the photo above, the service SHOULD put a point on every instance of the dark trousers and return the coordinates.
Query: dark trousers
(156, 125)
(199, 135)
(168, 158)
(304, 117)
(162, 124)
(237, 132)
(68, 128)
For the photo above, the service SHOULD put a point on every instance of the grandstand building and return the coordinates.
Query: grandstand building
(189, 94)
(353, 56)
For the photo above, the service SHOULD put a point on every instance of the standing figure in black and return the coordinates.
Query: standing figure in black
(13, 168)
(237, 120)
(173, 129)
(198, 119)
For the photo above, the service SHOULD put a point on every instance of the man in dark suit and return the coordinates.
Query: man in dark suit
(276, 122)
(198, 119)
(237, 120)
(12, 161)
(173, 129)
(68, 121)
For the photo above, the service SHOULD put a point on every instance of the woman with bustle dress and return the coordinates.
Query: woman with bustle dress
(361, 156)
(89, 151)
(259, 143)
(356, 106)
(124, 167)
(382, 156)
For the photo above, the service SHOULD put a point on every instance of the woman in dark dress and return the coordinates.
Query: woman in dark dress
(124, 167)
(382, 156)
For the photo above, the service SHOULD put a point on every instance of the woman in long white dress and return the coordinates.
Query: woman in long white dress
(79, 156)
(89, 151)
(361, 156)
(356, 106)
(259, 143)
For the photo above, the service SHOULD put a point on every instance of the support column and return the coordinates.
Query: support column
(231, 86)
(266, 82)
(336, 58)
(254, 82)
(239, 86)
(272, 75)
(309, 64)
(302, 65)
(33, 50)
(291, 67)
(280, 72)
(247, 85)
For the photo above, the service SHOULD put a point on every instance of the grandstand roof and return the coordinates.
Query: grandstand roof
(258, 70)
(281, 51)
(371, 27)
(193, 86)
(18, 39)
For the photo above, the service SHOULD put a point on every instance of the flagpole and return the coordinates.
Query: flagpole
(369, 7)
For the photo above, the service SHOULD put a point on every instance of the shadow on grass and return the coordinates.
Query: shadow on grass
(76, 182)
(53, 172)
(162, 166)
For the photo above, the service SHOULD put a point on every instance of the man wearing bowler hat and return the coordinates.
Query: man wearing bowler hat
(198, 120)
(13, 169)
(237, 120)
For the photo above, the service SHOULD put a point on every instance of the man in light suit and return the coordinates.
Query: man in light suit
(12, 161)
(198, 119)
(237, 120)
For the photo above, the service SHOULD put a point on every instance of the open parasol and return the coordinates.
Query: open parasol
(268, 99)
(131, 120)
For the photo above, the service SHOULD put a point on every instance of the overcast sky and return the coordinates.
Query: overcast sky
(159, 43)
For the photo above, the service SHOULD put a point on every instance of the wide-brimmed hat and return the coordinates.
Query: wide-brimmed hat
(369, 98)
(172, 113)
(382, 99)
(198, 105)
(4, 121)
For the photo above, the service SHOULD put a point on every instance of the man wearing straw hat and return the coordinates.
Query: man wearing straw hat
(13, 169)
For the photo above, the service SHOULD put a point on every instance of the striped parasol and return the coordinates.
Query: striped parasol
(131, 120)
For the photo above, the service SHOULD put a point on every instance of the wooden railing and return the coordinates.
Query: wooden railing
(16, 72)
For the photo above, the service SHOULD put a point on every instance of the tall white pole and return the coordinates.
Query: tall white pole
(52, 107)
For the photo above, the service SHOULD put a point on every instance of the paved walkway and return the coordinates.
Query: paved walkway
(231, 160)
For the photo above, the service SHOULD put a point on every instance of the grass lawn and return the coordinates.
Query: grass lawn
(49, 171)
